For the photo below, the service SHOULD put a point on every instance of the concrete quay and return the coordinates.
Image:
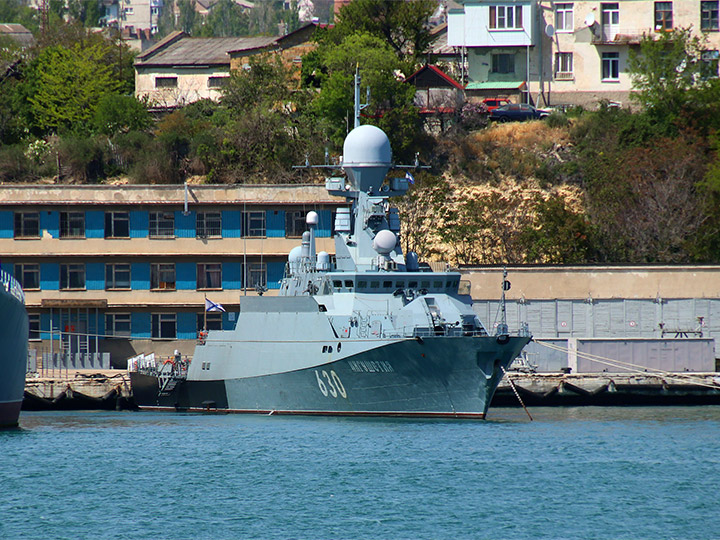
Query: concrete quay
(607, 389)
(78, 389)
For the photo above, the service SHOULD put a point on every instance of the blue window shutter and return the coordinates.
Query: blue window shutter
(95, 224)
(140, 325)
(232, 275)
(275, 223)
(140, 276)
(275, 272)
(139, 224)
(95, 276)
(231, 224)
(49, 276)
(324, 227)
(7, 224)
(50, 222)
(184, 225)
(185, 277)
(186, 326)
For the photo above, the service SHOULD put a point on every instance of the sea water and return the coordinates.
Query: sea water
(571, 473)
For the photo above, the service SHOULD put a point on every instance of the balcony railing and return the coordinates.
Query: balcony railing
(614, 35)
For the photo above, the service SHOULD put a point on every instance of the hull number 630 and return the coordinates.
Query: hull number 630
(330, 384)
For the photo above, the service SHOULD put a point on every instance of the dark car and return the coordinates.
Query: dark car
(517, 111)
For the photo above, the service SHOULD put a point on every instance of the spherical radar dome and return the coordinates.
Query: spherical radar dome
(367, 145)
(384, 242)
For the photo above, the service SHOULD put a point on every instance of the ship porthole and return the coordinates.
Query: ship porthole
(339, 346)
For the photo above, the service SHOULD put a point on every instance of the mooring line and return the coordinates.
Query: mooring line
(517, 395)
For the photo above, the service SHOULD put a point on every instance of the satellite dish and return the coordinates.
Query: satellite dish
(549, 30)
(590, 19)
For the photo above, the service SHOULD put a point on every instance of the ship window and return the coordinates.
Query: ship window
(412, 284)
(337, 283)
(339, 345)
(424, 284)
(437, 284)
(399, 284)
(349, 283)
(374, 284)
(330, 349)
(387, 284)
(362, 285)
(449, 284)
(324, 348)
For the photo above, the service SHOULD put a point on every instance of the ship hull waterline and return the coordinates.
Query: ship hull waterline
(428, 378)
(13, 360)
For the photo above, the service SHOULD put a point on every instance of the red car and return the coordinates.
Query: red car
(494, 103)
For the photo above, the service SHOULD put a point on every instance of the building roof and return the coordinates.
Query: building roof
(432, 77)
(494, 85)
(17, 32)
(179, 49)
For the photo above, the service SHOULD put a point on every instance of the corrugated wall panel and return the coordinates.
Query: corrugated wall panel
(548, 312)
(95, 276)
(140, 325)
(231, 223)
(185, 225)
(601, 319)
(49, 276)
(185, 276)
(617, 317)
(232, 275)
(140, 276)
(95, 224)
(139, 224)
(275, 224)
(275, 272)
(50, 223)
(186, 326)
(7, 224)
(324, 228)
(580, 318)
(564, 310)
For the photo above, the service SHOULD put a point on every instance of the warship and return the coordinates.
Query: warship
(369, 331)
(14, 339)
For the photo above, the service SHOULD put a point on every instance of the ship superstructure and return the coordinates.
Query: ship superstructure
(370, 331)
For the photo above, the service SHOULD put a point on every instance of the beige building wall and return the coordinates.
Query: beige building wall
(586, 35)
(169, 88)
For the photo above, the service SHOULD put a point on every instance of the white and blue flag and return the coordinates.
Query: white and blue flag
(409, 177)
(212, 306)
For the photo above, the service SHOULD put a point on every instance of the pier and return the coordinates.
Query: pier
(78, 389)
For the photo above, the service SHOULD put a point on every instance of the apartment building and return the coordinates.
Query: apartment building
(551, 52)
(126, 269)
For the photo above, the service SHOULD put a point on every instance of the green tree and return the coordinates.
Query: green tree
(70, 83)
(378, 67)
(664, 69)
(226, 19)
(402, 25)
(120, 114)
(18, 12)
(87, 12)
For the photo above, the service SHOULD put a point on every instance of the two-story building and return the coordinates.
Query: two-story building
(552, 52)
(126, 269)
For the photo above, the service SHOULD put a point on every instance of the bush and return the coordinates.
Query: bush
(557, 120)
(81, 159)
(15, 165)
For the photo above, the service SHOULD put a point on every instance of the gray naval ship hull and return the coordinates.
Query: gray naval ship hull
(13, 360)
(453, 377)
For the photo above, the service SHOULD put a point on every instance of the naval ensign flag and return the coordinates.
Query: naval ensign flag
(212, 306)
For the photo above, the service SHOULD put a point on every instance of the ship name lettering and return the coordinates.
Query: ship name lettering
(370, 366)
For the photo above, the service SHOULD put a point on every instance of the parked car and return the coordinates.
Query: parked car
(517, 111)
(494, 103)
